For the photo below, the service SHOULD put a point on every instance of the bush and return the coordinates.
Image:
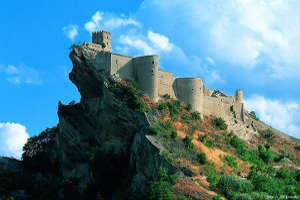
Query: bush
(166, 96)
(188, 142)
(196, 115)
(202, 158)
(253, 115)
(154, 130)
(174, 108)
(217, 197)
(186, 119)
(230, 161)
(212, 174)
(220, 123)
(209, 143)
(266, 155)
(282, 173)
(189, 107)
(162, 106)
(162, 189)
(267, 134)
(202, 138)
(35, 151)
(241, 196)
(259, 196)
(174, 134)
(229, 184)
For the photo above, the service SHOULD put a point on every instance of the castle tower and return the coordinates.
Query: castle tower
(103, 38)
(239, 96)
(146, 74)
(190, 91)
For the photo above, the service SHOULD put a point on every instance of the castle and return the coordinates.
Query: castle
(144, 70)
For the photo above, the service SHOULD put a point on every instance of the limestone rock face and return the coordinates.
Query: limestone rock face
(101, 140)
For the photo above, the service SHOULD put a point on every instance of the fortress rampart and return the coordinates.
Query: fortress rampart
(144, 70)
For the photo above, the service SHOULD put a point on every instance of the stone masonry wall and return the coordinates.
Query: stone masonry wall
(165, 85)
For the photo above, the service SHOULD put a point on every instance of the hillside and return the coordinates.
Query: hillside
(117, 143)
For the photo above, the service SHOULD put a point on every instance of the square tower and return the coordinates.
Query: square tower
(103, 38)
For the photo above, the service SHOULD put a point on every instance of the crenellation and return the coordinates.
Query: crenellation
(144, 70)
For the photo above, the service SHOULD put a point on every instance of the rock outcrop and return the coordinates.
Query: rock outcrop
(103, 141)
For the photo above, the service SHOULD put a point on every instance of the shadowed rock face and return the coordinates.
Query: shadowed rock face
(101, 141)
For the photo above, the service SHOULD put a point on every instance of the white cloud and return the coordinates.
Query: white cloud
(279, 114)
(20, 74)
(251, 34)
(153, 43)
(14, 80)
(71, 31)
(94, 24)
(107, 21)
(116, 22)
(160, 41)
(13, 136)
(11, 70)
(137, 43)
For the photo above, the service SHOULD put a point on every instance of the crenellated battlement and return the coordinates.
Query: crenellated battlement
(103, 38)
(144, 70)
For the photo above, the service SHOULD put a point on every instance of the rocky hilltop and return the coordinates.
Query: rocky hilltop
(117, 143)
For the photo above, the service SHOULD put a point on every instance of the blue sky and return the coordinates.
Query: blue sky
(248, 44)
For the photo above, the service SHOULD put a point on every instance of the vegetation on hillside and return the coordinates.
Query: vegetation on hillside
(212, 159)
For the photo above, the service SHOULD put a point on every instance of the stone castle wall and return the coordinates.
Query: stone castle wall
(146, 74)
(166, 82)
(190, 91)
(156, 83)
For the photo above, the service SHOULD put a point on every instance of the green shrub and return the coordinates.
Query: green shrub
(241, 196)
(259, 196)
(174, 134)
(209, 143)
(217, 197)
(283, 173)
(166, 96)
(141, 106)
(103, 45)
(266, 155)
(189, 107)
(186, 119)
(268, 133)
(212, 175)
(202, 138)
(253, 115)
(154, 130)
(35, 151)
(175, 108)
(230, 161)
(188, 142)
(196, 115)
(202, 158)
(220, 123)
(162, 188)
(229, 184)
(162, 106)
